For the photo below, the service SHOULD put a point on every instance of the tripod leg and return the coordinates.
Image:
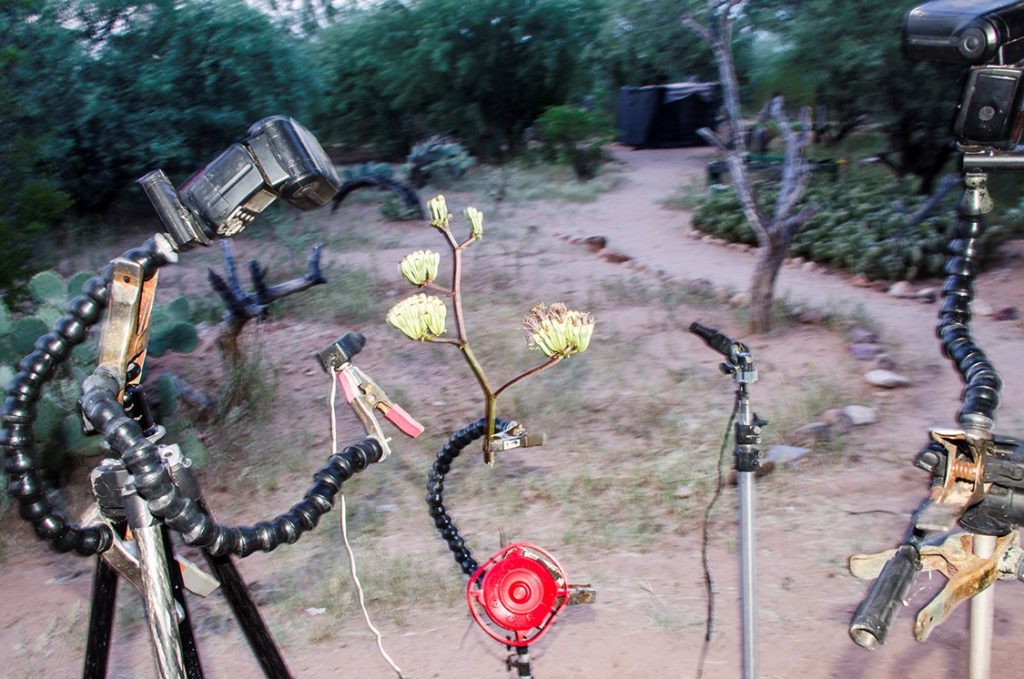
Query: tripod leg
(101, 620)
(189, 650)
(248, 615)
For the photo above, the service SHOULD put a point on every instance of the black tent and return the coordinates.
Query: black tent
(666, 116)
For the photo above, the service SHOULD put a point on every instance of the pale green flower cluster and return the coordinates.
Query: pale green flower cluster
(420, 267)
(476, 222)
(420, 317)
(557, 330)
(438, 209)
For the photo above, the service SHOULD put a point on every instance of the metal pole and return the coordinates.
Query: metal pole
(748, 570)
(747, 463)
(982, 615)
(159, 603)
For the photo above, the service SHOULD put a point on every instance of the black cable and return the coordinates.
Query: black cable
(709, 584)
(435, 490)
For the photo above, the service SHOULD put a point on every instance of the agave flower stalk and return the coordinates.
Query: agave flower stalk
(556, 331)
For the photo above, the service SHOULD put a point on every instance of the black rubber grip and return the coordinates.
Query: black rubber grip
(720, 342)
(877, 612)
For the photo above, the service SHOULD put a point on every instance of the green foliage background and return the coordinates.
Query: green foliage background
(98, 92)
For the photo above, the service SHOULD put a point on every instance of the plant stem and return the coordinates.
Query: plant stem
(533, 371)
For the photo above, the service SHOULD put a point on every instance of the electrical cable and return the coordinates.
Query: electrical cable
(342, 513)
(709, 584)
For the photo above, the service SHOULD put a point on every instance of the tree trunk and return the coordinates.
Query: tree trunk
(762, 287)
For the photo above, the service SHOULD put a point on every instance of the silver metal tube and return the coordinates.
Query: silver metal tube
(748, 571)
(982, 614)
(160, 605)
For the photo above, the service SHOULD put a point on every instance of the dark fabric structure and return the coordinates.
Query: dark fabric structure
(666, 116)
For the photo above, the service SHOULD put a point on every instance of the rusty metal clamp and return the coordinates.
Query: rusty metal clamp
(967, 574)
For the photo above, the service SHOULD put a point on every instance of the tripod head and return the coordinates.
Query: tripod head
(739, 361)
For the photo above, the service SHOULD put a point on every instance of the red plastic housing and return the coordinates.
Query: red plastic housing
(520, 590)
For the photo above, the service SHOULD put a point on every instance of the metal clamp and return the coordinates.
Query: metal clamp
(513, 436)
(967, 574)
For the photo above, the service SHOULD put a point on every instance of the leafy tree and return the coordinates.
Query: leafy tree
(849, 54)
(482, 71)
(31, 43)
(642, 42)
(166, 84)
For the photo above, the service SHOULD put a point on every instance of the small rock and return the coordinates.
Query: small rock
(308, 371)
(814, 431)
(981, 308)
(595, 243)
(315, 611)
(740, 300)
(837, 419)
(786, 455)
(616, 257)
(683, 492)
(886, 362)
(902, 289)
(861, 281)
(864, 351)
(698, 286)
(707, 238)
(722, 295)
(1007, 313)
(797, 262)
(810, 316)
(860, 415)
(886, 379)
(809, 266)
(927, 295)
(859, 335)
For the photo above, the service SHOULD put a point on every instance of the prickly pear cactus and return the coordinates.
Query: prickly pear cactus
(58, 426)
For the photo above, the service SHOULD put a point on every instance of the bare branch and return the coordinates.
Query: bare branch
(701, 30)
(711, 137)
(948, 183)
(795, 174)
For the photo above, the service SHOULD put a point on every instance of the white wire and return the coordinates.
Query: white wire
(344, 536)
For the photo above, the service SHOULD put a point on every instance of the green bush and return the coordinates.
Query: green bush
(437, 160)
(574, 135)
(862, 226)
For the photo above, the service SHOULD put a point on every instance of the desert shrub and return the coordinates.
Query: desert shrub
(575, 135)
(438, 160)
(862, 226)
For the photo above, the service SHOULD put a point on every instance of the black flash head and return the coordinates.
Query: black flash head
(967, 32)
(279, 158)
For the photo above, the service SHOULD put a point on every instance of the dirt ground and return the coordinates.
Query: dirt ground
(634, 428)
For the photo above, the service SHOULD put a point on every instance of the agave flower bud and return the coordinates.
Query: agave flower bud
(438, 209)
(420, 267)
(476, 221)
(557, 330)
(420, 317)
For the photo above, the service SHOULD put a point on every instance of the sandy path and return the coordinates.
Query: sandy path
(634, 223)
